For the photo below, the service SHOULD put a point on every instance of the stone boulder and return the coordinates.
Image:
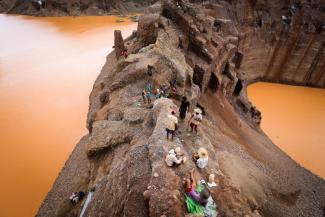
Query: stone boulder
(106, 135)
(148, 29)
(135, 115)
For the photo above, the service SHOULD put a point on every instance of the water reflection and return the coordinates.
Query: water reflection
(47, 69)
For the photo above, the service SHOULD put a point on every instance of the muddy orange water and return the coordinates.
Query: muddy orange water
(47, 69)
(294, 118)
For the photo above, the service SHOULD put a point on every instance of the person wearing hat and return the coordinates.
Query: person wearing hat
(195, 119)
(201, 158)
(171, 125)
(173, 159)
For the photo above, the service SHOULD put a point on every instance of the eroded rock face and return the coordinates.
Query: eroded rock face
(203, 50)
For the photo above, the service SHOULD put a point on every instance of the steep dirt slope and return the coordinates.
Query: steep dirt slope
(208, 50)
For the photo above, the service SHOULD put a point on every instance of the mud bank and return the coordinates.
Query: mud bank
(211, 51)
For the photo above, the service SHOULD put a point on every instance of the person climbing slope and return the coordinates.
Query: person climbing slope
(185, 105)
(171, 125)
(195, 119)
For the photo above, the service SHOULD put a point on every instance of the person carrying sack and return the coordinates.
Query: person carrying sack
(195, 119)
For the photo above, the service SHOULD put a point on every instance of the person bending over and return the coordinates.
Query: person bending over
(190, 188)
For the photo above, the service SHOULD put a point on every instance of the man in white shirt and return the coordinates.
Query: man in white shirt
(172, 160)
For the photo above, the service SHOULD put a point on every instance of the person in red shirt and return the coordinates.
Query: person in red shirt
(125, 53)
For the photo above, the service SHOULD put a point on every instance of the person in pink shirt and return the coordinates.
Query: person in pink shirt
(190, 186)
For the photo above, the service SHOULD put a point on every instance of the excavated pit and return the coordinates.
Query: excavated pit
(208, 51)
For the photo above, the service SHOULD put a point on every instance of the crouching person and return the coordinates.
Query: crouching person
(174, 158)
(190, 188)
(198, 198)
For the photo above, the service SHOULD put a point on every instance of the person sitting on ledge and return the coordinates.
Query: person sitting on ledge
(76, 197)
(201, 158)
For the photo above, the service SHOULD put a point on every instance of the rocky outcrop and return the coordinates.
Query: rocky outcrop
(73, 7)
(208, 51)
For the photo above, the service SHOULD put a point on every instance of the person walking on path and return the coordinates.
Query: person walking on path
(171, 125)
(195, 119)
(185, 105)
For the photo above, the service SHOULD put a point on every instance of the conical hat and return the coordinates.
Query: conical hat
(202, 152)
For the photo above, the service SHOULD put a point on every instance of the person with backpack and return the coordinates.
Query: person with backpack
(195, 119)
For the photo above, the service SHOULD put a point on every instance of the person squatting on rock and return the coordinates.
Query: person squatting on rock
(185, 105)
(76, 197)
(195, 119)
(171, 125)
(201, 158)
(175, 157)
(190, 186)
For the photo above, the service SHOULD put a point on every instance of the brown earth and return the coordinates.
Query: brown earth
(213, 50)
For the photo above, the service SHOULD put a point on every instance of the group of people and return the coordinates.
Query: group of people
(148, 93)
(198, 198)
(194, 121)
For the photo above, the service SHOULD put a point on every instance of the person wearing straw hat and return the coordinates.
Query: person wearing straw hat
(201, 158)
(195, 119)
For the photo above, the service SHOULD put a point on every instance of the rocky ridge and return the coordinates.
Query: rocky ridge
(212, 50)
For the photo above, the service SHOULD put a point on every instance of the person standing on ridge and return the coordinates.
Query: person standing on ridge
(185, 105)
(171, 125)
